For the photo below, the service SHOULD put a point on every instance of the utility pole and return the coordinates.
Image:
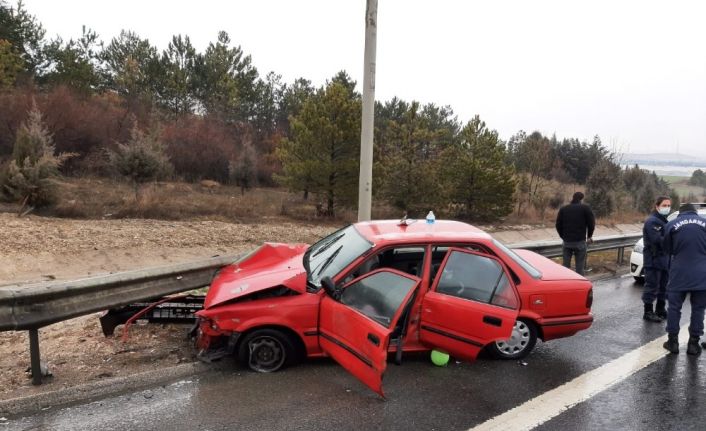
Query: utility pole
(365, 185)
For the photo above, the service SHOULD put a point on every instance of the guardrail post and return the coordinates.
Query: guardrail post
(621, 255)
(34, 356)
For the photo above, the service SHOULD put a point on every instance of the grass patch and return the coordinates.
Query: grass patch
(681, 186)
(93, 198)
(601, 262)
(103, 198)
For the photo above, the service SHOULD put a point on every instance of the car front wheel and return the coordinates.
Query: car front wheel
(519, 345)
(265, 350)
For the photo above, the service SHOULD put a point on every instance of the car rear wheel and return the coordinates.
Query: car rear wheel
(266, 350)
(524, 337)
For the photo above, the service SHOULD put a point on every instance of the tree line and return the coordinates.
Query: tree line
(125, 108)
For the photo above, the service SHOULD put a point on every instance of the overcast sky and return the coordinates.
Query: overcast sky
(633, 72)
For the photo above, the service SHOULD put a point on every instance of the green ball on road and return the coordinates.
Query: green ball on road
(440, 359)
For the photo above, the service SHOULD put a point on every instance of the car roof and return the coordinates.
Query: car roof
(378, 231)
(700, 210)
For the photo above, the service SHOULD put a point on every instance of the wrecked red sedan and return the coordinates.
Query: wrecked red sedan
(381, 287)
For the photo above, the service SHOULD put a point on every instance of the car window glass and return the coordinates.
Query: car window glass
(439, 252)
(405, 259)
(409, 259)
(378, 296)
(477, 278)
(529, 269)
(331, 254)
(504, 294)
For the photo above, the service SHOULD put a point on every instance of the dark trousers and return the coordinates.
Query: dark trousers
(578, 250)
(698, 305)
(655, 285)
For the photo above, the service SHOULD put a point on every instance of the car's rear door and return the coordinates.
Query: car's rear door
(472, 303)
(355, 330)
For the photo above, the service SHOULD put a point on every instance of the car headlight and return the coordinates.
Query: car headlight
(639, 247)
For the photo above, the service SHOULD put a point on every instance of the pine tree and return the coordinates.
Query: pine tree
(176, 85)
(11, 64)
(243, 170)
(30, 176)
(600, 187)
(475, 175)
(408, 161)
(142, 159)
(322, 156)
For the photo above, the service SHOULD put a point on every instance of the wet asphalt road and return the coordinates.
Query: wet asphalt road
(319, 395)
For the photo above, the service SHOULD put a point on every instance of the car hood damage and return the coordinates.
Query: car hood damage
(269, 266)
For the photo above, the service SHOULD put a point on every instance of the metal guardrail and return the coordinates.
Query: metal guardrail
(30, 307)
(36, 305)
(611, 242)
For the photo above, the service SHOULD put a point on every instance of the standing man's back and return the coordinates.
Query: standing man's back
(575, 224)
(685, 240)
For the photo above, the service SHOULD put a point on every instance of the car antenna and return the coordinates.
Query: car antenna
(406, 221)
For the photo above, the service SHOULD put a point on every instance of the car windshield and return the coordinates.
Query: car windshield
(333, 253)
(531, 270)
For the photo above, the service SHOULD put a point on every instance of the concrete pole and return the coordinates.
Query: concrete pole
(365, 184)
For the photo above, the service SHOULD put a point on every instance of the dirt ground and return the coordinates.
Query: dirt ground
(40, 248)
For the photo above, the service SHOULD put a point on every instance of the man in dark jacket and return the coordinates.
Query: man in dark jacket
(575, 224)
(685, 241)
(656, 261)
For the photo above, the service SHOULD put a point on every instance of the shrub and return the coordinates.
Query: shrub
(141, 159)
(30, 176)
(243, 170)
(556, 201)
(201, 148)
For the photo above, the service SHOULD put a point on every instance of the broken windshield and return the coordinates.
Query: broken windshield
(333, 253)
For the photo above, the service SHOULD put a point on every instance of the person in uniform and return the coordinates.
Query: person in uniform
(656, 261)
(685, 241)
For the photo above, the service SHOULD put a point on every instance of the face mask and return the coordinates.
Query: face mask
(664, 210)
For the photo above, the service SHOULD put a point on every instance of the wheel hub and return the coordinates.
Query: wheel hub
(266, 354)
(518, 341)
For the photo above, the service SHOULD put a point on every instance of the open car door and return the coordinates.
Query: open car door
(355, 330)
(473, 302)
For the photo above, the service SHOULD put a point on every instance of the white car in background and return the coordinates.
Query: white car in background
(636, 269)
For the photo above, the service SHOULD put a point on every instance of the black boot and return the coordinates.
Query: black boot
(661, 310)
(693, 348)
(672, 343)
(650, 315)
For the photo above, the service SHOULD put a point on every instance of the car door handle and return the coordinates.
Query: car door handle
(492, 320)
(374, 339)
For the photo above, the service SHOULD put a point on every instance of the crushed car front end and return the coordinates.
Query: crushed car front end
(264, 287)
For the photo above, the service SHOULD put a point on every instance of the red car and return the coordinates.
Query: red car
(380, 287)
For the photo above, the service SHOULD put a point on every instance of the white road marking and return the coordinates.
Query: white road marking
(556, 401)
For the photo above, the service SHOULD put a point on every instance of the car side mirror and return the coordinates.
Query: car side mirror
(330, 288)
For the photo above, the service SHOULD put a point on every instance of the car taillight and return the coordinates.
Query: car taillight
(589, 298)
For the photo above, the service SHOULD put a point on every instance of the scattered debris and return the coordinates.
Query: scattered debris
(43, 368)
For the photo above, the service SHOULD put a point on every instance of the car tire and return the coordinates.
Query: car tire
(639, 280)
(266, 350)
(524, 338)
